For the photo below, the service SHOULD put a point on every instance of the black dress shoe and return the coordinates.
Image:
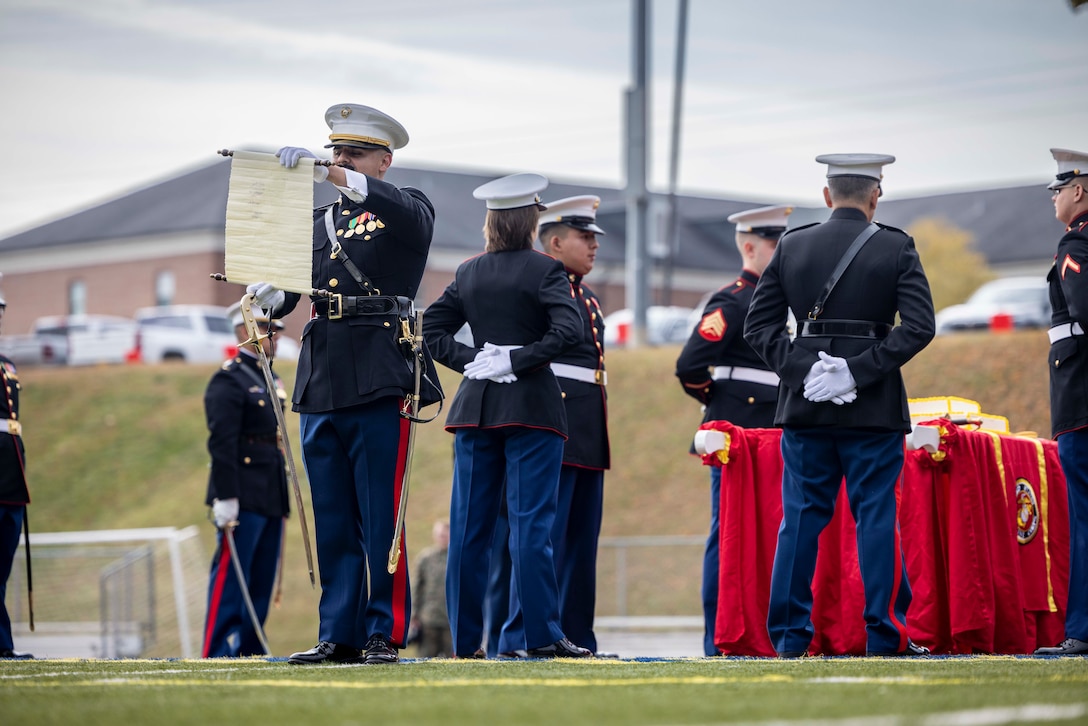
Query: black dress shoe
(378, 651)
(912, 649)
(478, 655)
(793, 654)
(562, 648)
(14, 654)
(1069, 646)
(325, 652)
(513, 654)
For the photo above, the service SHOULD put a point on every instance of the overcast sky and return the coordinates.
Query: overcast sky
(101, 97)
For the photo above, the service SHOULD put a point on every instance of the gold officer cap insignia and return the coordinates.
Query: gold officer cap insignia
(345, 111)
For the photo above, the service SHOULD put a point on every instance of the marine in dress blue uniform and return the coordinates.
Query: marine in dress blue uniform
(841, 402)
(370, 249)
(1068, 279)
(247, 466)
(721, 371)
(507, 416)
(568, 231)
(14, 493)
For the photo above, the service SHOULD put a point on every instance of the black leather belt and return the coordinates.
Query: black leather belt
(351, 306)
(845, 329)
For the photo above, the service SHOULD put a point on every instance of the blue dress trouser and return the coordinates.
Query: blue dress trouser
(354, 459)
(228, 627)
(1073, 453)
(497, 604)
(529, 460)
(815, 461)
(11, 526)
(577, 529)
(711, 569)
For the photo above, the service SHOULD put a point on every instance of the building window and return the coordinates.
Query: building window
(77, 297)
(165, 287)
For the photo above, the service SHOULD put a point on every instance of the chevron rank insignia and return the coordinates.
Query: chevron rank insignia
(713, 326)
(1069, 264)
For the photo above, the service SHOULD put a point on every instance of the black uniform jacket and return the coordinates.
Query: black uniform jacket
(586, 403)
(13, 488)
(246, 459)
(886, 277)
(356, 360)
(718, 341)
(520, 298)
(1068, 280)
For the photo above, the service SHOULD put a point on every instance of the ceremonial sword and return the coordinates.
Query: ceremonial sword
(409, 411)
(228, 532)
(255, 337)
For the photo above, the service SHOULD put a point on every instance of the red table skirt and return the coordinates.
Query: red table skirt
(985, 533)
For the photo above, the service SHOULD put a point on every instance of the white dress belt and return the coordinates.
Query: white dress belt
(580, 373)
(1063, 331)
(11, 426)
(752, 375)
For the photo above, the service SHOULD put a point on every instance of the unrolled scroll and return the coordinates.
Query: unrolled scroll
(270, 222)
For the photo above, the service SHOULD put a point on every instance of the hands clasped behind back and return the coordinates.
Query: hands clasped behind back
(492, 363)
(833, 383)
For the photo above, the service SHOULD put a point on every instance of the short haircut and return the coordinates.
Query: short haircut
(511, 229)
(851, 188)
(552, 229)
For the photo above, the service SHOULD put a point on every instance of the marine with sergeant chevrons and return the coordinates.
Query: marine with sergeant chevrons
(719, 369)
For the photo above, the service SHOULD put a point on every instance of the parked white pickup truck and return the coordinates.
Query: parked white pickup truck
(185, 333)
(73, 340)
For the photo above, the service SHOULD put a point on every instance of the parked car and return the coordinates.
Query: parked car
(665, 324)
(74, 340)
(185, 333)
(1023, 299)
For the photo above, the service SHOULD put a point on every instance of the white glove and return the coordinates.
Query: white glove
(848, 397)
(493, 362)
(816, 369)
(835, 381)
(289, 156)
(266, 295)
(225, 512)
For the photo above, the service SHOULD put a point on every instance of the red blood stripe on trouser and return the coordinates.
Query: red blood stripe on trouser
(400, 577)
(217, 593)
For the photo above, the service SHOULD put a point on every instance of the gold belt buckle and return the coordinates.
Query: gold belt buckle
(598, 377)
(15, 428)
(336, 306)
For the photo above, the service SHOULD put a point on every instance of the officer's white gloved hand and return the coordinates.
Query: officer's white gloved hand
(835, 381)
(225, 512)
(266, 295)
(492, 362)
(289, 156)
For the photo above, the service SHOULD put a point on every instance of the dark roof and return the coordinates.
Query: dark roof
(1010, 225)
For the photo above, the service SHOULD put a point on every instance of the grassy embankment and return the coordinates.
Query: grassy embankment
(119, 447)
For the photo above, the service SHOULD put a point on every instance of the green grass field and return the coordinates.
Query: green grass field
(966, 690)
(124, 447)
